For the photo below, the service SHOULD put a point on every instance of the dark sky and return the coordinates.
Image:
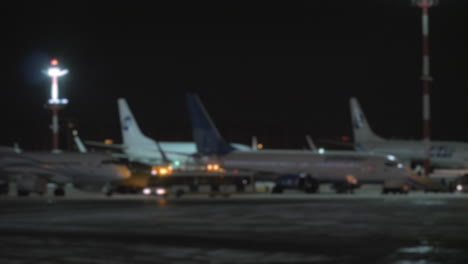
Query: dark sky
(278, 70)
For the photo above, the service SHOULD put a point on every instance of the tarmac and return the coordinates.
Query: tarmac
(365, 227)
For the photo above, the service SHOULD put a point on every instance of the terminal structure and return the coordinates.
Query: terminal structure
(55, 104)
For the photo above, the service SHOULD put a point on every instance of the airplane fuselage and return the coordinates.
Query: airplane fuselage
(443, 154)
(84, 170)
(177, 152)
(328, 167)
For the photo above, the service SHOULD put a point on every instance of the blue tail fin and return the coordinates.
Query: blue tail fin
(205, 133)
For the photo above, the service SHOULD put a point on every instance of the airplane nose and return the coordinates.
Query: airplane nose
(122, 171)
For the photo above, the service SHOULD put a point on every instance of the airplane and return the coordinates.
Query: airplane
(32, 171)
(299, 169)
(443, 154)
(137, 147)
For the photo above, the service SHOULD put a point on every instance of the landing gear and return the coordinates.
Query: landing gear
(311, 185)
(343, 187)
(59, 192)
(403, 190)
(277, 189)
(179, 193)
(4, 188)
(22, 193)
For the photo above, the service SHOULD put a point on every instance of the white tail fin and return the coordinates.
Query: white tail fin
(17, 148)
(79, 144)
(362, 132)
(131, 133)
(254, 143)
(310, 143)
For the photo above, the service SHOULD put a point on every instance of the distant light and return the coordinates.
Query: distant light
(161, 191)
(163, 171)
(260, 146)
(459, 187)
(345, 138)
(177, 163)
(321, 151)
(56, 72)
(351, 179)
(62, 101)
(400, 166)
(146, 191)
(108, 141)
(391, 157)
(75, 132)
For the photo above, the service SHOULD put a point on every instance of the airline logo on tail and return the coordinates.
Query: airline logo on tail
(441, 152)
(127, 123)
(358, 121)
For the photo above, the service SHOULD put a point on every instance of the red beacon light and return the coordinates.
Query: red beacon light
(54, 62)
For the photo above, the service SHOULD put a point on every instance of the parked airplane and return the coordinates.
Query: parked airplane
(299, 169)
(444, 154)
(137, 147)
(32, 171)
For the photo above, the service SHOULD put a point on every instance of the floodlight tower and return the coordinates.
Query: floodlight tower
(426, 79)
(55, 104)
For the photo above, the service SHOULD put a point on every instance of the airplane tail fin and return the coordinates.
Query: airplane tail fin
(310, 143)
(79, 144)
(17, 148)
(131, 133)
(205, 133)
(361, 129)
(254, 143)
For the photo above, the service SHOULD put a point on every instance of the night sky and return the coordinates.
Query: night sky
(270, 69)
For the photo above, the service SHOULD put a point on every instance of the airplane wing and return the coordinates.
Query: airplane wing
(16, 166)
(140, 159)
(310, 143)
(104, 145)
(181, 153)
(337, 143)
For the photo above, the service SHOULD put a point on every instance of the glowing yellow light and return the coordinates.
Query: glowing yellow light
(209, 167)
(161, 191)
(259, 146)
(163, 171)
(108, 141)
(351, 179)
(215, 167)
